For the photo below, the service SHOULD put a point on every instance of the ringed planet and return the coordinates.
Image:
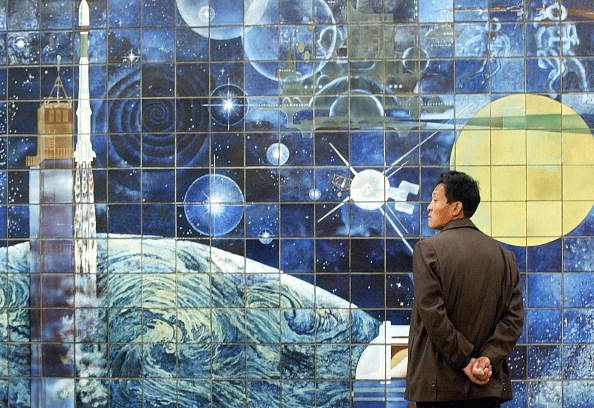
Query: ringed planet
(533, 158)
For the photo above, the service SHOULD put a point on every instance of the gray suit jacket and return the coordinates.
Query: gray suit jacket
(467, 303)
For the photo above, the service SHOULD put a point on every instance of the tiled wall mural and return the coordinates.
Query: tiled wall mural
(213, 203)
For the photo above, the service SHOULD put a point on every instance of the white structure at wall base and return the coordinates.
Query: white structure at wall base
(381, 370)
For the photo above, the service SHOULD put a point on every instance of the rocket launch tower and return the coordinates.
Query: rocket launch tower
(63, 257)
(51, 259)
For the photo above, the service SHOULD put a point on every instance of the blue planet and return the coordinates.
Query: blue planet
(195, 326)
(292, 40)
(214, 204)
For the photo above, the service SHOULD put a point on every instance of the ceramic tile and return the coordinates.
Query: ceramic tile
(261, 172)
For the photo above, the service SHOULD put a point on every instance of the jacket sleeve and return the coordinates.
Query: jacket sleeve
(430, 305)
(509, 326)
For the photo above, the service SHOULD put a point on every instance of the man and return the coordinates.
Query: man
(467, 313)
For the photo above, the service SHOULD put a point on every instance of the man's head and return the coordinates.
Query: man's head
(456, 195)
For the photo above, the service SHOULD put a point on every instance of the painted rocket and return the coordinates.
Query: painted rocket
(85, 256)
(83, 152)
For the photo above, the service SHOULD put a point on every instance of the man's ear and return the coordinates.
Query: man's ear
(458, 209)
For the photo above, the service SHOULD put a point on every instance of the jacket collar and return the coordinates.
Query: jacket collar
(461, 223)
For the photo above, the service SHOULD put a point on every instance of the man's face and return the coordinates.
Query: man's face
(440, 211)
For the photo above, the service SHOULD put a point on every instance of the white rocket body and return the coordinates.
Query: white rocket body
(83, 153)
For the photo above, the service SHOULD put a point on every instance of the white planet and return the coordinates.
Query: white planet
(277, 154)
(220, 19)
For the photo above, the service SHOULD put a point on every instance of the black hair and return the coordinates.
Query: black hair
(461, 187)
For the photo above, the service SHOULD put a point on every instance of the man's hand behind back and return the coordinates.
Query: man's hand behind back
(479, 370)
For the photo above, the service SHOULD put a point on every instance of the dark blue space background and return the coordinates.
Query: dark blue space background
(282, 102)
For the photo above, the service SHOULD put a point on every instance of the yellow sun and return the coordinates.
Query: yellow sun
(534, 160)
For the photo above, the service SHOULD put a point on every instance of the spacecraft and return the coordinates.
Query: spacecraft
(62, 239)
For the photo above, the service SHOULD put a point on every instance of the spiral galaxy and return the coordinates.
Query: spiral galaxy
(147, 107)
